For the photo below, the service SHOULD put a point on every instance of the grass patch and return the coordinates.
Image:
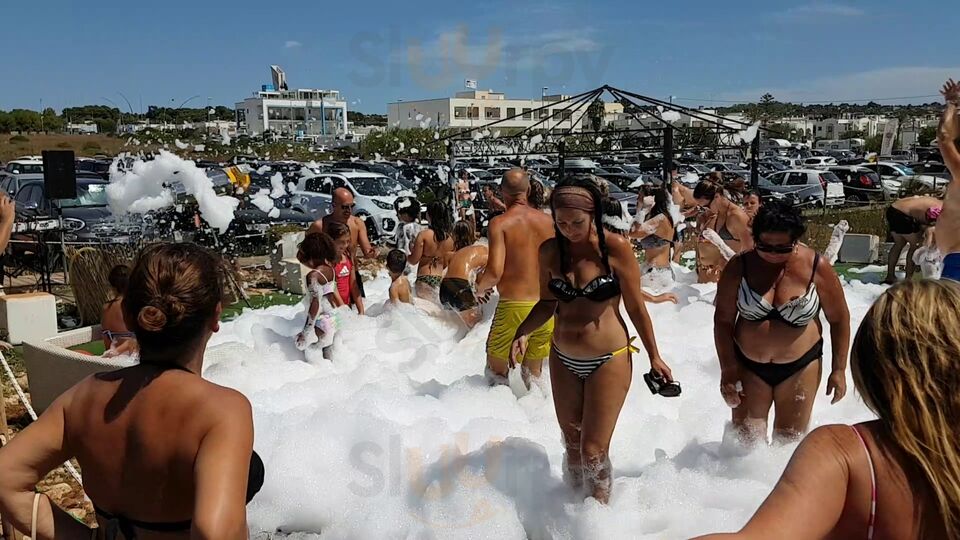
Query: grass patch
(19, 139)
(95, 348)
(261, 301)
(91, 147)
(64, 144)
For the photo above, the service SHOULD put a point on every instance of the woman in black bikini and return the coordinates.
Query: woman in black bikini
(432, 247)
(730, 223)
(768, 332)
(590, 359)
(162, 450)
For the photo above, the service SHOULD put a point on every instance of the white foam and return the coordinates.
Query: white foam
(141, 188)
(399, 435)
(276, 183)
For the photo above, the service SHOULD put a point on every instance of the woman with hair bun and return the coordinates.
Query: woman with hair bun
(163, 451)
(768, 332)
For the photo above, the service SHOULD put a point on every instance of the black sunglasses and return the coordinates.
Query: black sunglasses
(780, 250)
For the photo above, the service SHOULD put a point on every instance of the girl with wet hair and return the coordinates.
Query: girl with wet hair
(163, 451)
(585, 273)
(320, 253)
(431, 249)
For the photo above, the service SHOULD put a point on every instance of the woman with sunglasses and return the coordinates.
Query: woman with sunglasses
(768, 332)
(727, 219)
(584, 274)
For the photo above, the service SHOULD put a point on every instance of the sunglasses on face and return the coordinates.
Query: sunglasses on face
(779, 250)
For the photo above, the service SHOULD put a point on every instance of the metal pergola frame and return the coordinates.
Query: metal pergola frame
(541, 138)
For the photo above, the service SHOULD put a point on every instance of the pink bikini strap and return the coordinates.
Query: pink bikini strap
(873, 484)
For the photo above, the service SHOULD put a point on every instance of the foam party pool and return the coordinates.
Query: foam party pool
(399, 436)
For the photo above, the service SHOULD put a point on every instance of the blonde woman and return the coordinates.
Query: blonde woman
(897, 476)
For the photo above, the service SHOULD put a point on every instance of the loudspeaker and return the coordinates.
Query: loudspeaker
(59, 174)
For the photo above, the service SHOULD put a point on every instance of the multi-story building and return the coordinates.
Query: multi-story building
(477, 108)
(303, 113)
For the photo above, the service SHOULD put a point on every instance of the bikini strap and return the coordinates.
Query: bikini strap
(816, 261)
(873, 484)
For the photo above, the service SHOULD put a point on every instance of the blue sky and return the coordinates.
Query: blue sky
(67, 52)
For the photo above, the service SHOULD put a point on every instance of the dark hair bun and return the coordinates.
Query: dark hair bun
(151, 319)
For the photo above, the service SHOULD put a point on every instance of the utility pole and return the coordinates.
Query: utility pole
(41, 115)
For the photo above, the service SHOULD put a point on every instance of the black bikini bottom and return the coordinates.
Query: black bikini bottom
(775, 373)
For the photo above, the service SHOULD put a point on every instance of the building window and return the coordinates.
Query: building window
(491, 112)
(511, 112)
(544, 113)
(557, 114)
(566, 115)
(460, 112)
(526, 113)
(474, 112)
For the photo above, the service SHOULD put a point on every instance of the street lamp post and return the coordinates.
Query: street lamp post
(543, 101)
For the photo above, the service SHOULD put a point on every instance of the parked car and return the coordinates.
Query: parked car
(897, 178)
(860, 184)
(378, 167)
(374, 195)
(25, 165)
(804, 187)
(99, 167)
(86, 218)
(932, 168)
(626, 198)
(723, 166)
(819, 162)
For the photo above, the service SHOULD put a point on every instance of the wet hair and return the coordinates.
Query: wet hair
(119, 277)
(173, 295)
(318, 247)
(753, 193)
(777, 216)
(904, 362)
(614, 209)
(335, 229)
(440, 220)
(587, 183)
(464, 234)
(412, 210)
(661, 203)
(708, 188)
(537, 197)
(396, 261)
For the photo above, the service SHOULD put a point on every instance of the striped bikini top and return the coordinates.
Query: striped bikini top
(796, 313)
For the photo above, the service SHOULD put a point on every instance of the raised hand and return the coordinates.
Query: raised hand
(951, 92)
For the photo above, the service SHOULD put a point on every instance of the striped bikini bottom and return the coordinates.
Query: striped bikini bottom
(584, 367)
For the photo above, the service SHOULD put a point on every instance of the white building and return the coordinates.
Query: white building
(85, 128)
(625, 120)
(477, 108)
(301, 113)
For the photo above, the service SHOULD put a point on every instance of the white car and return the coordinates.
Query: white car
(723, 166)
(25, 165)
(373, 194)
(897, 178)
(819, 162)
(804, 187)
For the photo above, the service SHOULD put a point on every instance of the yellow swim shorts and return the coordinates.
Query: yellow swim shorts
(507, 319)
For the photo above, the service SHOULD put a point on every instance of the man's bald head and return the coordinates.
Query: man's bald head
(342, 195)
(515, 183)
(342, 205)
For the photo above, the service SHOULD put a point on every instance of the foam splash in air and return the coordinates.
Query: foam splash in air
(146, 185)
(276, 183)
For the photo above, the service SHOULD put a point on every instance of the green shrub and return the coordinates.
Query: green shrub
(91, 146)
(19, 139)
(64, 144)
(866, 220)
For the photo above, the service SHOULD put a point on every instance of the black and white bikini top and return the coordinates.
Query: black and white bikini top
(796, 313)
(600, 288)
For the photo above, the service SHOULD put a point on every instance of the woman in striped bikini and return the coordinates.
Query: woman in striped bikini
(896, 476)
(768, 332)
(584, 276)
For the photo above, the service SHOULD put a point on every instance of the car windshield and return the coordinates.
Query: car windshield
(92, 194)
(630, 169)
(830, 177)
(376, 186)
(613, 188)
(482, 175)
(904, 170)
(26, 168)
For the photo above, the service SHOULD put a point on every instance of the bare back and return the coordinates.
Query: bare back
(522, 230)
(434, 253)
(916, 207)
(464, 262)
(119, 425)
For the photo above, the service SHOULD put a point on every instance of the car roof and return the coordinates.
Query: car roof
(358, 174)
(85, 178)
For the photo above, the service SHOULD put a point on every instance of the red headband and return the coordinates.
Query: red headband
(573, 197)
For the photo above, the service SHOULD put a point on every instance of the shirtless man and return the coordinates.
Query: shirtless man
(342, 212)
(948, 226)
(513, 267)
(456, 292)
(908, 220)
